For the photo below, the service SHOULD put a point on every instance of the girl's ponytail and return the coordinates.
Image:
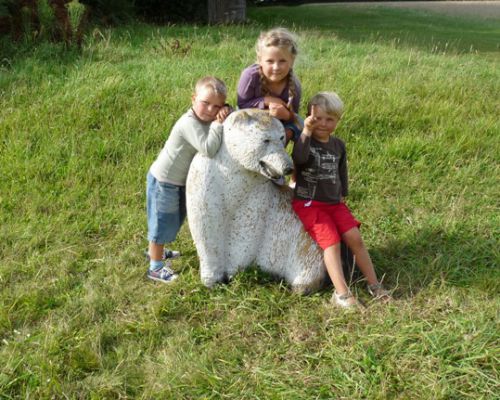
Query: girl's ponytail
(292, 91)
(263, 83)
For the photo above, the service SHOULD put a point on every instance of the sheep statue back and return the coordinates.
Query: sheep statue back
(238, 217)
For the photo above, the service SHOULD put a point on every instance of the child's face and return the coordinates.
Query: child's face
(325, 124)
(276, 62)
(206, 104)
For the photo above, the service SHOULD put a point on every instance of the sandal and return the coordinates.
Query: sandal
(378, 292)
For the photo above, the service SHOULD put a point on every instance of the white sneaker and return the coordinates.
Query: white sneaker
(164, 275)
(346, 300)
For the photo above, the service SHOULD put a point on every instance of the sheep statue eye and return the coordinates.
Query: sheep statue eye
(282, 138)
(267, 141)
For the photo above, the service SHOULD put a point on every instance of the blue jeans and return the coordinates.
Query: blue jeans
(166, 207)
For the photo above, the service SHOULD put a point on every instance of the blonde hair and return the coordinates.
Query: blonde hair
(283, 39)
(213, 83)
(330, 102)
(277, 37)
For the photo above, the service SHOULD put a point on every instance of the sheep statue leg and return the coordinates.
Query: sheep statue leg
(288, 251)
(209, 219)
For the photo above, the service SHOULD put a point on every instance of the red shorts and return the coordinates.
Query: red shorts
(325, 222)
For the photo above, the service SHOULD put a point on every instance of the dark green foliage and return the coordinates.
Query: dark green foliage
(33, 21)
(108, 12)
(111, 11)
(173, 11)
(160, 11)
(47, 19)
(4, 8)
(28, 25)
(5, 20)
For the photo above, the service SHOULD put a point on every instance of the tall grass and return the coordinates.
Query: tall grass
(78, 132)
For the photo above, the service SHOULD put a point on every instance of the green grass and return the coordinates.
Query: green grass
(409, 28)
(78, 133)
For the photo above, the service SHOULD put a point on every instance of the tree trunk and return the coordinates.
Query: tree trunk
(226, 11)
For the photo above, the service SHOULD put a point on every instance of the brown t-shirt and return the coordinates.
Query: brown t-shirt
(321, 169)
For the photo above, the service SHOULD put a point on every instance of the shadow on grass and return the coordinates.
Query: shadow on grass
(406, 28)
(411, 264)
(432, 255)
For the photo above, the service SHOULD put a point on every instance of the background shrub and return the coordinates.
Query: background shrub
(111, 11)
(47, 19)
(159, 11)
(24, 21)
(173, 11)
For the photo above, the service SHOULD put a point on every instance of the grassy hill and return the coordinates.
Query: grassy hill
(78, 132)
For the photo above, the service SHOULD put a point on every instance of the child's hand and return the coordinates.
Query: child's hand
(277, 108)
(223, 113)
(310, 122)
(279, 111)
(268, 100)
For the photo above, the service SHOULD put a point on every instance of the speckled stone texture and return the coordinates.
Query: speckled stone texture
(238, 217)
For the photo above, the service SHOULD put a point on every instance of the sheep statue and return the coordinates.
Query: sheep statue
(238, 217)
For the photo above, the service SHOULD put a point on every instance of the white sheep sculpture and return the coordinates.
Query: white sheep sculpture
(238, 217)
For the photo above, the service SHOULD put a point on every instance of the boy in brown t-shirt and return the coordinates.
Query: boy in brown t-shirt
(321, 169)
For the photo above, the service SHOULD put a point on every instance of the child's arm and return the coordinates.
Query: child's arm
(286, 112)
(247, 90)
(300, 152)
(206, 144)
(343, 173)
(281, 112)
(301, 148)
(223, 113)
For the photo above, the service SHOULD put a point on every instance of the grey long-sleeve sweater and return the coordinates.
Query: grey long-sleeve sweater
(188, 136)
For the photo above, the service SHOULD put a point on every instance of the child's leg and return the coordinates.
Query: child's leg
(321, 227)
(156, 251)
(166, 212)
(333, 265)
(342, 296)
(353, 240)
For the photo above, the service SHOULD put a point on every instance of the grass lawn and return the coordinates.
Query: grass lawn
(78, 132)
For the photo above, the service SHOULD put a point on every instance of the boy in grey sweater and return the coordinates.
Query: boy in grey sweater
(198, 130)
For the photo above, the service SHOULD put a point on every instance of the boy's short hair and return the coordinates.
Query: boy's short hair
(213, 83)
(330, 102)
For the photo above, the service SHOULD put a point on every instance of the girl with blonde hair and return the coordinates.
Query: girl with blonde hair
(270, 83)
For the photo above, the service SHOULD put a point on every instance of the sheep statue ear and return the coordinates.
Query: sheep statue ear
(251, 115)
(242, 117)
